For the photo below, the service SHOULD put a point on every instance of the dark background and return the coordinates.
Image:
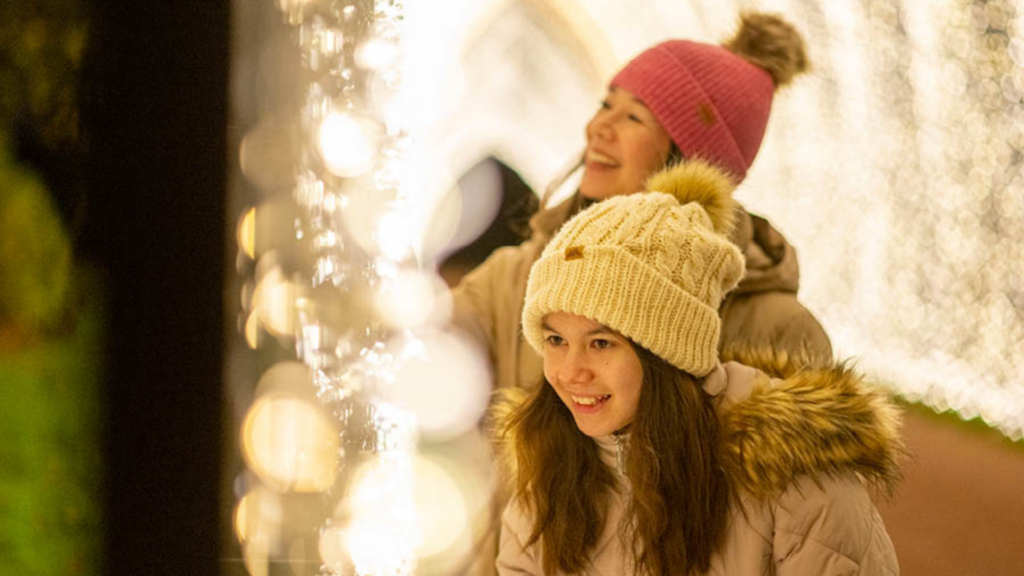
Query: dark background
(154, 109)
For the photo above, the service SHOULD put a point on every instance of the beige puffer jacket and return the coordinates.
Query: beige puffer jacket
(801, 451)
(762, 311)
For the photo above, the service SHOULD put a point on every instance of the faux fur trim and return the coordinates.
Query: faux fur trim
(776, 362)
(770, 43)
(816, 422)
(503, 403)
(695, 180)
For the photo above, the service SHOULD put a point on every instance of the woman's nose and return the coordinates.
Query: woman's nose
(574, 368)
(599, 127)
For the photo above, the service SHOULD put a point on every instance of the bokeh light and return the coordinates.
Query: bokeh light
(274, 301)
(412, 298)
(387, 493)
(443, 379)
(256, 556)
(348, 143)
(247, 233)
(332, 547)
(382, 524)
(290, 444)
(258, 516)
(267, 154)
(252, 330)
(441, 507)
(377, 53)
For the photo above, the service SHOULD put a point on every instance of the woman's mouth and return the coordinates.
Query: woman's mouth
(588, 404)
(595, 159)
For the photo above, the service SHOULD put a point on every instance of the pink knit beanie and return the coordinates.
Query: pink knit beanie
(714, 100)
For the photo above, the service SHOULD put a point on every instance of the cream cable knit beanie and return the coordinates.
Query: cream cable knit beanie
(653, 266)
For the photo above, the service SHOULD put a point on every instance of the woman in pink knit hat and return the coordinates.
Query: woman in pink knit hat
(677, 100)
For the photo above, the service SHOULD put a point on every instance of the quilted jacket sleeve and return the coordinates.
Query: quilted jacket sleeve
(831, 529)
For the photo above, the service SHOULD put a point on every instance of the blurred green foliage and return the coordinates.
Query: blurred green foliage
(50, 459)
(51, 321)
(41, 48)
(35, 252)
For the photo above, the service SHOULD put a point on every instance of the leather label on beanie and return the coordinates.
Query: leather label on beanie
(573, 253)
(706, 113)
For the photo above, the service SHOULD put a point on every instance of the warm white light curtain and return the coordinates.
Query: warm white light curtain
(894, 166)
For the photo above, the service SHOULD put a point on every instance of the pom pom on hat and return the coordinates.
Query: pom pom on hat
(770, 43)
(700, 182)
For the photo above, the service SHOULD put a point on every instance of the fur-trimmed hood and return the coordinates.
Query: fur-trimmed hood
(780, 422)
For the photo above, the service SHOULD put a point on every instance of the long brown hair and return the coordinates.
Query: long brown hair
(676, 515)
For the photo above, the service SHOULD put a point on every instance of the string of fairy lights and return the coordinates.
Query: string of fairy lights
(895, 167)
(338, 439)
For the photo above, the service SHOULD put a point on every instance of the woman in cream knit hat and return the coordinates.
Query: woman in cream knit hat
(640, 454)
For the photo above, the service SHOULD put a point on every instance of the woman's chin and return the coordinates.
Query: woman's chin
(593, 431)
(594, 190)
(598, 191)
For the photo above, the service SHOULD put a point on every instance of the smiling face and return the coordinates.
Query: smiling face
(594, 370)
(625, 145)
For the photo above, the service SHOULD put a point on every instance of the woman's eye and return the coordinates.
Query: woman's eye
(602, 344)
(553, 340)
(605, 105)
(635, 118)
